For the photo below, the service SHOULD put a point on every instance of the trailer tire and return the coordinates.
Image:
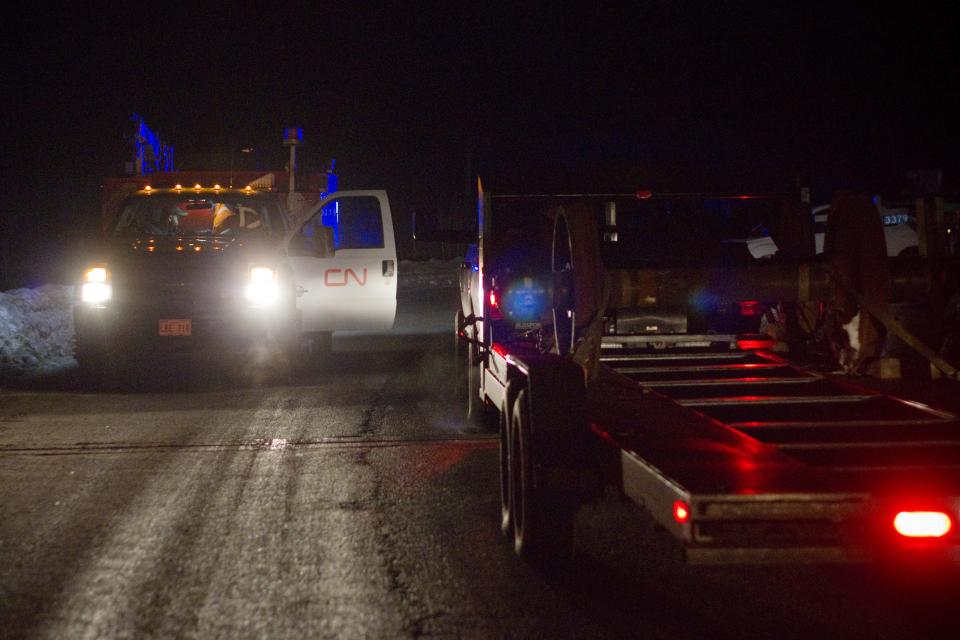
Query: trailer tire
(543, 520)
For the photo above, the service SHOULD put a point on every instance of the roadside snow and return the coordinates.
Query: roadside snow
(36, 325)
(36, 328)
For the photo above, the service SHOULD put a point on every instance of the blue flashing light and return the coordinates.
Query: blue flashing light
(525, 300)
(332, 181)
(293, 136)
(330, 217)
(702, 300)
(152, 156)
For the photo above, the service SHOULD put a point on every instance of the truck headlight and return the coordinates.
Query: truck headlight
(96, 289)
(262, 289)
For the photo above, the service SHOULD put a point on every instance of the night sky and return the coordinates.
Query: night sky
(415, 97)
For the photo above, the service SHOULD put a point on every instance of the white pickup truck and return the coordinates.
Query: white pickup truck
(182, 271)
(899, 229)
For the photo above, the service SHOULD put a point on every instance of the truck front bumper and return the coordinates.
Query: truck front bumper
(121, 333)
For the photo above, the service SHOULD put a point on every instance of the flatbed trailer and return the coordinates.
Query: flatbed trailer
(741, 455)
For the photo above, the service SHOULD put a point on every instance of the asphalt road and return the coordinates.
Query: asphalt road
(352, 501)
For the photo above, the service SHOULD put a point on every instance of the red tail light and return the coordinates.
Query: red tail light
(750, 308)
(494, 311)
(681, 512)
(922, 524)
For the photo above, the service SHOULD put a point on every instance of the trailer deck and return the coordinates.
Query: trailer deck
(745, 456)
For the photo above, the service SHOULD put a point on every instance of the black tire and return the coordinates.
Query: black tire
(543, 520)
(461, 361)
(265, 364)
(910, 252)
(98, 370)
(312, 349)
(321, 342)
(506, 513)
(479, 416)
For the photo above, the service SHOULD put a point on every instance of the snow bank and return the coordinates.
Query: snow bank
(36, 328)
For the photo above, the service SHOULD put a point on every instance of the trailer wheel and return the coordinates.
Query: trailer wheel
(543, 520)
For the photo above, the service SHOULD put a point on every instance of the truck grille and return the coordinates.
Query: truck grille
(184, 298)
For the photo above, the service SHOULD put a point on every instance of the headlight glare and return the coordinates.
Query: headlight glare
(96, 289)
(262, 289)
(95, 274)
(96, 292)
(262, 274)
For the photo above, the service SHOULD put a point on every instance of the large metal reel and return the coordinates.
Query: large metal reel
(577, 273)
(856, 247)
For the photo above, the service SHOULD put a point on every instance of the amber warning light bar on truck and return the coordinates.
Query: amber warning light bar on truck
(178, 188)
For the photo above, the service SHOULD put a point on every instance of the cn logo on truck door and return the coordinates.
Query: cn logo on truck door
(341, 277)
(344, 263)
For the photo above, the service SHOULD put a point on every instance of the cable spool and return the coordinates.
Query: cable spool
(856, 247)
(577, 273)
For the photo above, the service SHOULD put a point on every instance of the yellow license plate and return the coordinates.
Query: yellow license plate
(175, 327)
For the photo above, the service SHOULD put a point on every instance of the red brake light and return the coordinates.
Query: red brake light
(493, 313)
(644, 194)
(681, 512)
(750, 307)
(922, 524)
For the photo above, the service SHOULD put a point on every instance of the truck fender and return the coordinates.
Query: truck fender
(556, 394)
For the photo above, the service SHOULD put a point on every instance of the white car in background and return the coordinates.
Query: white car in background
(899, 229)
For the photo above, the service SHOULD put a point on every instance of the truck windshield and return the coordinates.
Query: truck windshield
(199, 214)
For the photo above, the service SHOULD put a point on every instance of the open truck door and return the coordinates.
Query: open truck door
(344, 261)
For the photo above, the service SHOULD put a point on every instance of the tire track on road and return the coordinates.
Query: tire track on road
(125, 578)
